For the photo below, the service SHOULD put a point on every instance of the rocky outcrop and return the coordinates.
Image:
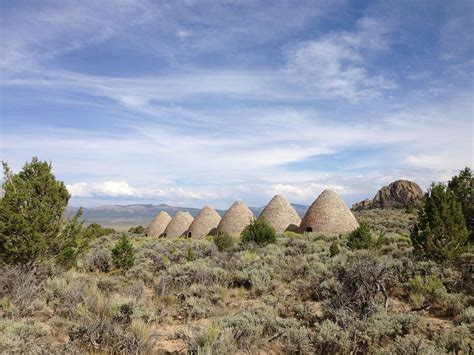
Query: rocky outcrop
(399, 194)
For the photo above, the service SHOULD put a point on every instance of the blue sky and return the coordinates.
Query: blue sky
(205, 102)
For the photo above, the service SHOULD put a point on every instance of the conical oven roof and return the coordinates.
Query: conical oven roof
(179, 224)
(205, 223)
(158, 225)
(328, 215)
(237, 217)
(280, 215)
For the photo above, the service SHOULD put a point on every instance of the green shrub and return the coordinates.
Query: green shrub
(424, 291)
(364, 280)
(123, 254)
(21, 337)
(334, 249)
(98, 259)
(259, 232)
(179, 277)
(209, 340)
(260, 277)
(251, 327)
(95, 230)
(112, 326)
(361, 238)
(467, 316)
(432, 292)
(295, 338)
(331, 339)
(431, 284)
(441, 233)
(108, 284)
(75, 240)
(247, 331)
(193, 307)
(224, 241)
(137, 230)
(409, 344)
(452, 304)
(190, 255)
(458, 340)
(291, 234)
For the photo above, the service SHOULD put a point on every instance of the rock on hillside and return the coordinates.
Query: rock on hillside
(399, 194)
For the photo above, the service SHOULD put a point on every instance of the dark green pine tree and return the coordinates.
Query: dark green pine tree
(440, 233)
(462, 186)
(31, 212)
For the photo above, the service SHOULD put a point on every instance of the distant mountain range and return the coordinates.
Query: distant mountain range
(122, 217)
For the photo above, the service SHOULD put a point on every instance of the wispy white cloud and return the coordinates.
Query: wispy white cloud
(147, 27)
(123, 189)
(164, 163)
(456, 32)
(61, 27)
(335, 64)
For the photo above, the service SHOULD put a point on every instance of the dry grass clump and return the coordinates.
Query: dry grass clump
(110, 324)
(20, 287)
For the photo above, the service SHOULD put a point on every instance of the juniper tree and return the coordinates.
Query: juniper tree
(259, 232)
(123, 254)
(440, 233)
(462, 186)
(31, 212)
(361, 238)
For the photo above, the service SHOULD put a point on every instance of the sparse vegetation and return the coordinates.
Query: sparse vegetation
(293, 294)
(285, 297)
